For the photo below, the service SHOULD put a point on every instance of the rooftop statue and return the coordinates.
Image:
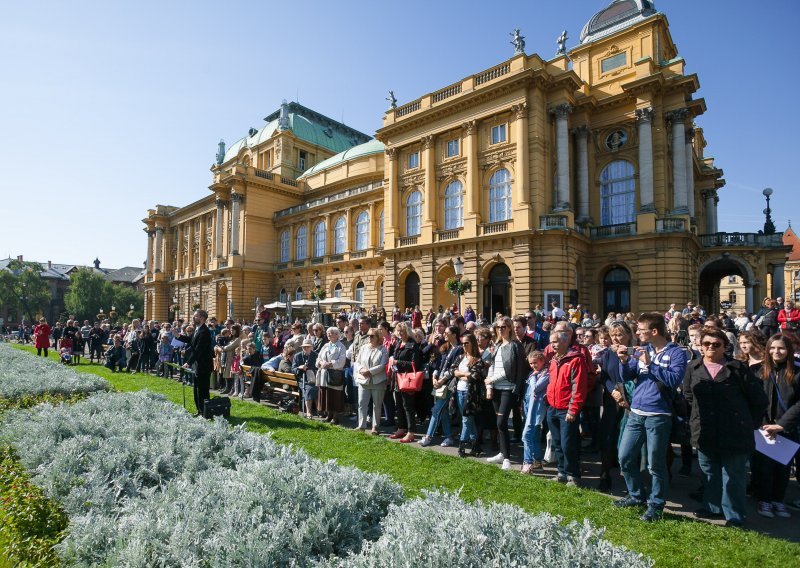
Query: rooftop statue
(518, 42)
(221, 151)
(562, 43)
(392, 100)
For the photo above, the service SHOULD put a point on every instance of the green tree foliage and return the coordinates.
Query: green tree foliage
(23, 289)
(89, 292)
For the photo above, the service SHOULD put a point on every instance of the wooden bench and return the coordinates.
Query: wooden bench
(275, 382)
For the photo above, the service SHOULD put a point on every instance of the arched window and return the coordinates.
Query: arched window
(282, 296)
(454, 206)
(617, 193)
(380, 230)
(320, 237)
(413, 213)
(298, 294)
(500, 196)
(362, 231)
(337, 291)
(617, 291)
(285, 246)
(301, 245)
(339, 236)
(359, 292)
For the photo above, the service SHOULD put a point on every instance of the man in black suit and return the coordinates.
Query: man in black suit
(202, 356)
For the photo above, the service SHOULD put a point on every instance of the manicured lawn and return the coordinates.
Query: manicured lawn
(676, 541)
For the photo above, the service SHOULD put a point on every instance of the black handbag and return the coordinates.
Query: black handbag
(219, 406)
(335, 378)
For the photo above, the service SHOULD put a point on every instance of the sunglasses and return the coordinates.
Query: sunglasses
(502, 327)
(465, 343)
(714, 344)
(371, 335)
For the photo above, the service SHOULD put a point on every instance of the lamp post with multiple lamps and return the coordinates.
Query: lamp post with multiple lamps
(458, 286)
(769, 226)
(318, 293)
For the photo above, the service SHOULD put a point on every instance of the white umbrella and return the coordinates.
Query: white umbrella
(276, 306)
(339, 302)
(303, 304)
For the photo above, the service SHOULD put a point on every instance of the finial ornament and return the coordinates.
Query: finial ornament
(392, 100)
(518, 42)
(221, 151)
(562, 43)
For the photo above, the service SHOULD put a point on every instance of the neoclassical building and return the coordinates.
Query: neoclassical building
(581, 178)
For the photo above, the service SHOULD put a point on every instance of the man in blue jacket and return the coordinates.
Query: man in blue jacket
(661, 368)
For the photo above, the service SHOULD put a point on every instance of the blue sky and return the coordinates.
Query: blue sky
(107, 108)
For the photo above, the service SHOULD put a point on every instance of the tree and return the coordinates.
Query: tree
(86, 294)
(23, 289)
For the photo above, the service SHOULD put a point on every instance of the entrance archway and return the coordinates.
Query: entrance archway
(411, 292)
(617, 291)
(711, 274)
(497, 292)
(443, 297)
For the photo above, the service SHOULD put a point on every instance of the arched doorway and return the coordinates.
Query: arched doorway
(617, 291)
(411, 295)
(443, 297)
(497, 292)
(726, 269)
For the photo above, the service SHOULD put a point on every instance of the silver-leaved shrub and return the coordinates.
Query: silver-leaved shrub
(442, 530)
(145, 484)
(22, 375)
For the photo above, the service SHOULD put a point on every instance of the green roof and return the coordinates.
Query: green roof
(367, 149)
(307, 125)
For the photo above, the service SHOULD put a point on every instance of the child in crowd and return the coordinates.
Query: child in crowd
(66, 350)
(535, 409)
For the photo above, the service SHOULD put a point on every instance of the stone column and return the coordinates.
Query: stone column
(521, 193)
(748, 298)
(202, 244)
(472, 190)
(778, 283)
(679, 193)
(711, 199)
(236, 199)
(151, 253)
(373, 227)
(389, 200)
(158, 254)
(561, 113)
(179, 257)
(430, 194)
(644, 117)
(690, 171)
(218, 228)
(582, 138)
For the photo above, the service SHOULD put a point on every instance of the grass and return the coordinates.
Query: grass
(676, 541)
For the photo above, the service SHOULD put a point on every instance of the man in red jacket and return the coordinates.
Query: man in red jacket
(566, 394)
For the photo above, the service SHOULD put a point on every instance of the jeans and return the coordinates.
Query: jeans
(566, 442)
(440, 405)
(503, 401)
(468, 432)
(655, 430)
(532, 434)
(725, 483)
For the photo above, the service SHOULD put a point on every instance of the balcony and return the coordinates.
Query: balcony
(670, 225)
(448, 235)
(493, 228)
(352, 192)
(299, 263)
(550, 222)
(335, 258)
(358, 254)
(282, 266)
(612, 231)
(318, 260)
(263, 174)
(222, 263)
(407, 241)
(742, 240)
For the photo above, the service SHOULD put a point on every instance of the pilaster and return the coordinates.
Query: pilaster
(561, 114)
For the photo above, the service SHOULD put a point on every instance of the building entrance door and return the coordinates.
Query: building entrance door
(411, 296)
(617, 291)
(497, 292)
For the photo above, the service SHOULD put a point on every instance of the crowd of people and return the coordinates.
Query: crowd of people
(559, 383)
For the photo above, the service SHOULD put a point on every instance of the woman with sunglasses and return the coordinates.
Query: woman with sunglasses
(370, 375)
(506, 382)
(469, 392)
(452, 353)
(727, 404)
(780, 376)
(407, 358)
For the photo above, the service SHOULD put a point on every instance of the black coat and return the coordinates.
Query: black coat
(404, 356)
(725, 410)
(790, 394)
(200, 351)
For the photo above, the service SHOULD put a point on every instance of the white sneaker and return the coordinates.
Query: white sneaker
(496, 459)
(447, 442)
(506, 464)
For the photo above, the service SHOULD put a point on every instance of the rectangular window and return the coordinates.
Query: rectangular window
(498, 133)
(611, 63)
(302, 161)
(413, 160)
(731, 279)
(452, 148)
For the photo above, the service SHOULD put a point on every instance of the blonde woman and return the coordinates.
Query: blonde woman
(370, 375)
(228, 352)
(406, 357)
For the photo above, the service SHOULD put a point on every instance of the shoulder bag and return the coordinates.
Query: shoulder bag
(410, 381)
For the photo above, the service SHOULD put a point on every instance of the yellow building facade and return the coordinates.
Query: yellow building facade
(580, 178)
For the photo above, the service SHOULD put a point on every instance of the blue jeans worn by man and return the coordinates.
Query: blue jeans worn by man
(655, 430)
(566, 443)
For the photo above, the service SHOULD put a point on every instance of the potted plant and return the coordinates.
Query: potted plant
(458, 286)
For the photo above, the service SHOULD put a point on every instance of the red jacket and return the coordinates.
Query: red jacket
(42, 332)
(568, 382)
(792, 317)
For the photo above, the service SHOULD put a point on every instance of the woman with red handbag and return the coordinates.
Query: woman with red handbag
(407, 364)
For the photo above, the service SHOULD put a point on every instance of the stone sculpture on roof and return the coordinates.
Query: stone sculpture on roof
(562, 43)
(518, 41)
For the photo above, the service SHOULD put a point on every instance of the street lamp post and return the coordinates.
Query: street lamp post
(458, 266)
(317, 284)
(769, 226)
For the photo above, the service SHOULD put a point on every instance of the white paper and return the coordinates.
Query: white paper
(781, 449)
